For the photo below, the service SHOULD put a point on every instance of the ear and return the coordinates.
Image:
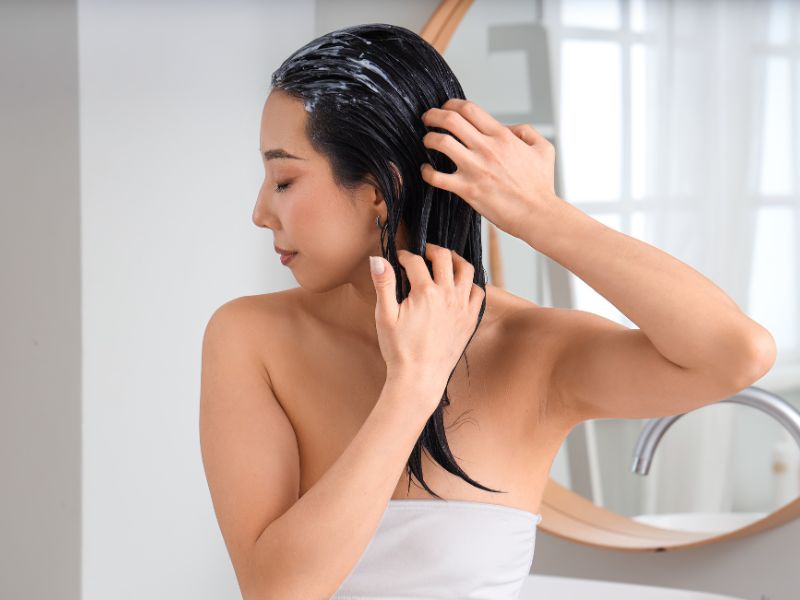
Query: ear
(378, 199)
(398, 179)
(398, 183)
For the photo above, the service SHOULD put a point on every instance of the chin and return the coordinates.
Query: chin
(317, 286)
(328, 275)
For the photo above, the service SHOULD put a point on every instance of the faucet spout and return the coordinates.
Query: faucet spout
(767, 402)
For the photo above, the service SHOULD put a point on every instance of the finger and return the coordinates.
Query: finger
(452, 182)
(476, 296)
(386, 305)
(442, 264)
(416, 270)
(455, 123)
(472, 112)
(463, 272)
(449, 146)
(529, 135)
(522, 134)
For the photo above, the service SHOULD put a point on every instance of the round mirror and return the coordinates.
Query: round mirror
(643, 107)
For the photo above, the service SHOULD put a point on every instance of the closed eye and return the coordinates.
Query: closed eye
(281, 187)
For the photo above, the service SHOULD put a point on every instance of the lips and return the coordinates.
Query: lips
(283, 251)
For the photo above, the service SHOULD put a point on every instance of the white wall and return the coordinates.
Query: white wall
(171, 98)
(117, 246)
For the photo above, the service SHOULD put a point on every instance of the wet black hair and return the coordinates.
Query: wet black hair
(365, 88)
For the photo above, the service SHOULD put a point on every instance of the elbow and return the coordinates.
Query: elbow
(254, 581)
(758, 359)
(274, 581)
(249, 594)
(252, 590)
(765, 354)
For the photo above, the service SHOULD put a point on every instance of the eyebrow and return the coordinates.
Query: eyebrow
(279, 153)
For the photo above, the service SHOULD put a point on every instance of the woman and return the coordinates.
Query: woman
(317, 401)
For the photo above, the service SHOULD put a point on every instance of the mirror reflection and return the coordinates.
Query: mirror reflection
(669, 121)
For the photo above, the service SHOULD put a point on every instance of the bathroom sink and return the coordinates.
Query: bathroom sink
(701, 522)
(537, 587)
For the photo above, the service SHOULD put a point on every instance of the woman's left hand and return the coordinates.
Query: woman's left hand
(506, 173)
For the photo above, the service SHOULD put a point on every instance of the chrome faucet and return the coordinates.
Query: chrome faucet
(772, 404)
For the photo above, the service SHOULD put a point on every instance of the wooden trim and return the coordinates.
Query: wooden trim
(566, 514)
(572, 517)
(442, 24)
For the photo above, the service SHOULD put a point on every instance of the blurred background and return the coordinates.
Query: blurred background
(675, 123)
(128, 173)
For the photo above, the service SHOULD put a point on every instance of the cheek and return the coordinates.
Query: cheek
(314, 225)
(332, 234)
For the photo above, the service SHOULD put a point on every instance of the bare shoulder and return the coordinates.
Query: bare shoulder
(261, 304)
(258, 321)
(519, 317)
(259, 310)
(535, 336)
(544, 328)
(249, 448)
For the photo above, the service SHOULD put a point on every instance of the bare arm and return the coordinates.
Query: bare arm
(250, 451)
(309, 550)
(694, 345)
(282, 546)
(327, 530)
(684, 315)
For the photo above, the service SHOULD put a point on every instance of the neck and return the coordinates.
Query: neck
(354, 306)
(351, 306)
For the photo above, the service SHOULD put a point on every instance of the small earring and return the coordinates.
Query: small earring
(378, 222)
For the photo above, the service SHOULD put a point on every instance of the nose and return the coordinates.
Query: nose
(262, 215)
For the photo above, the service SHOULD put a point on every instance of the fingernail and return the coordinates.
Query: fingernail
(376, 265)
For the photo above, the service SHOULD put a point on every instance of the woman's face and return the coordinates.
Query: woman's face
(332, 230)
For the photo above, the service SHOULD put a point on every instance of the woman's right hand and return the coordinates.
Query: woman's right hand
(424, 336)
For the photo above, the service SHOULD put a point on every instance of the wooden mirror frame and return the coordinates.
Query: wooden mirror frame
(566, 514)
